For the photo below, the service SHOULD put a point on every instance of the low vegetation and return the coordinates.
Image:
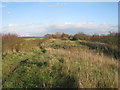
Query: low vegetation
(57, 63)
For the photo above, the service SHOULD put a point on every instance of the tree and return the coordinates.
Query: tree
(76, 37)
(80, 36)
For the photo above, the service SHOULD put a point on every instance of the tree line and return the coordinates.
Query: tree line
(112, 38)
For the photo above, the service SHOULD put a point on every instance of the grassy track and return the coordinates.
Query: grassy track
(32, 38)
(60, 63)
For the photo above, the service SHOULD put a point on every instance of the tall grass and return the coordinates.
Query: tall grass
(103, 48)
(75, 67)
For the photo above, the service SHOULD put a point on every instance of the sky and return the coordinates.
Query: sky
(40, 18)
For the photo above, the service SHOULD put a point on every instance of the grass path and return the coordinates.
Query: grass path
(62, 63)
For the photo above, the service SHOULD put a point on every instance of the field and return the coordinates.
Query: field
(59, 63)
(32, 38)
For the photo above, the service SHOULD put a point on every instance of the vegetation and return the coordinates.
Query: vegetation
(12, 44)
(59, 36)
(58, 63)
(111, 38)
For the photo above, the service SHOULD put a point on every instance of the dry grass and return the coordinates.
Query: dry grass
(11, 43)
(90, 68)
(76, 66)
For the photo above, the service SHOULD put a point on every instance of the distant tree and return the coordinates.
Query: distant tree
(80, 36)
(65, 35)
(76, 37)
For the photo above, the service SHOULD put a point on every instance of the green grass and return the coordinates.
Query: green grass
(60, 63)
(32, 38)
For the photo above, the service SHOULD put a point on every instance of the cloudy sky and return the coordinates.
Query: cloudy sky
(40, 18)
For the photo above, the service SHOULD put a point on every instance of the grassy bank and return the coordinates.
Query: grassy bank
(59, 63)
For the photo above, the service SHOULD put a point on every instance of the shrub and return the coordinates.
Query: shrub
(9, 42)
(80, 36)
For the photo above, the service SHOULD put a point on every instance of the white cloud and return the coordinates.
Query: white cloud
(67, 27)
(23, 29)
(12, 25)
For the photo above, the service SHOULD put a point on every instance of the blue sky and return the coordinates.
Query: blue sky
(30, 18)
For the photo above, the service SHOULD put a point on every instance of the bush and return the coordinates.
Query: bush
(80, 36)
(9, 42)
(13, 43)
